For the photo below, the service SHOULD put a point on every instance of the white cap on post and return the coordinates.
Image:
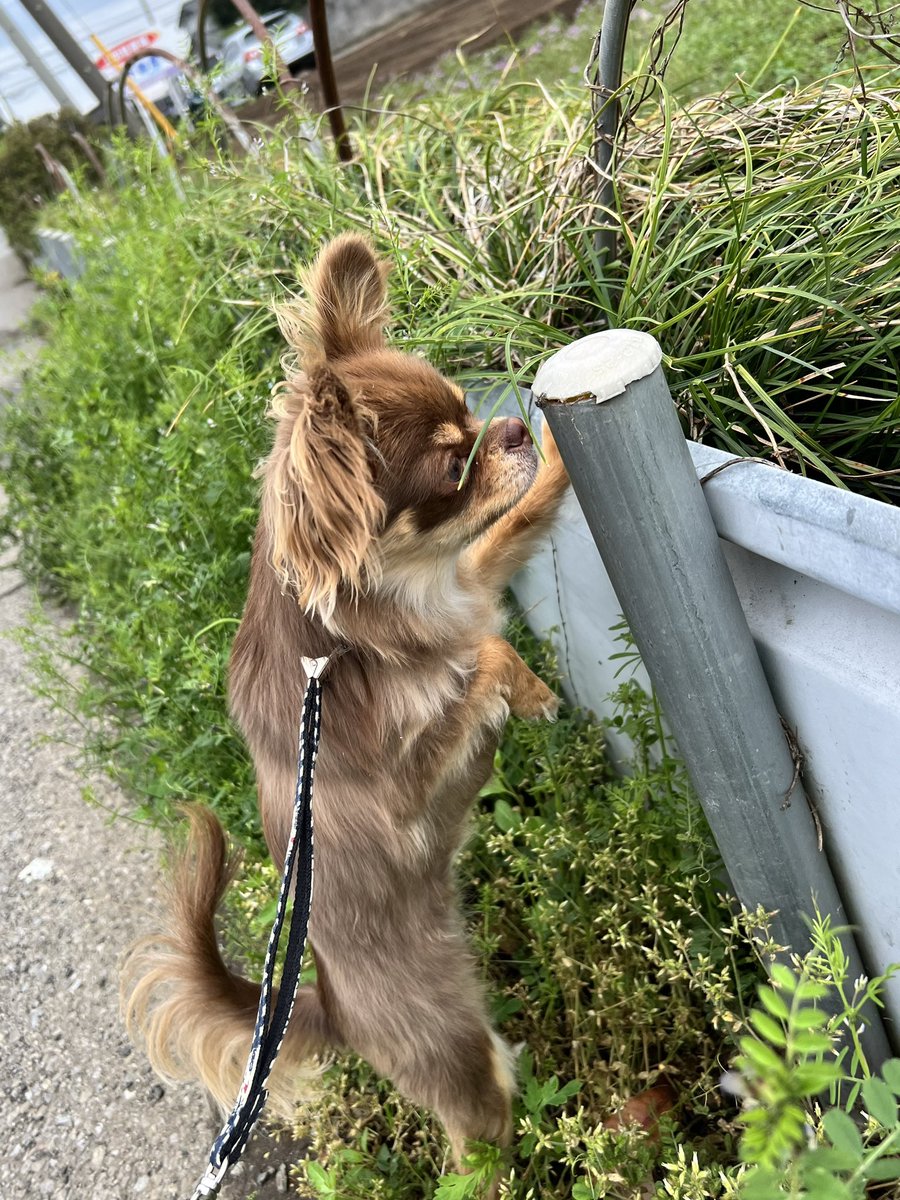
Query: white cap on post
(597, 367)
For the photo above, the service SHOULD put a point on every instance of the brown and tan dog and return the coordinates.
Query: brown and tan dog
(367, 544)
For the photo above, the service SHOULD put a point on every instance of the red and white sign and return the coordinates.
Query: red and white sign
(119, 54)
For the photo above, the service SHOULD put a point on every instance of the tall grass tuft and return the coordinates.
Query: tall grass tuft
(761, 249)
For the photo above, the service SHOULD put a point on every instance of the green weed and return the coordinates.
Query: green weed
(723, 47)
(805, 1044)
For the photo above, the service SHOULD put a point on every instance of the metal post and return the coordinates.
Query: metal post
(67, 46)
(34, 60)
(610, 411)
(199, 82)
(610, 57)
(201, 35)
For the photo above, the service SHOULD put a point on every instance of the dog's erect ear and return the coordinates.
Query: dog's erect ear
(345, 308)
(319, 505)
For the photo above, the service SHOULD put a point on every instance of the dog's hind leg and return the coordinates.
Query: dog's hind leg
(468, 1081)
(432, 1038)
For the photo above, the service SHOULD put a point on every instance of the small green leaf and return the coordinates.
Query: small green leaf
(809, 1041)
(810, 1078)
(891, 1074)
(827, 1158)
(784, 977)
(494, 787)
(879, 1103)
(456, 1187)
(532, 1096)
(842, 1133)
(808, 1018)
(505, 816)
(808, 990)
(756, 1116)
(825, 1186)
(566, 1092)
(762, 1183)
(774, 1002)
(768, 1028)
(323, 1181)
(762, 1058)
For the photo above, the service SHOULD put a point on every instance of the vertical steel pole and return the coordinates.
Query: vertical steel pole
(610, 57)
(609, 408)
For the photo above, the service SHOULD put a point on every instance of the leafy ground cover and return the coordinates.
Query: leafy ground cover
(759, 237)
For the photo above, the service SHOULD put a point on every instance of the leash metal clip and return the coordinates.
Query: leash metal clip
(211, 1182)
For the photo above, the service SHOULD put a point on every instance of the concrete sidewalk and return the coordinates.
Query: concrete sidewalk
(17, 294)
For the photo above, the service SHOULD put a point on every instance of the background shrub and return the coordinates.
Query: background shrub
(25, 185)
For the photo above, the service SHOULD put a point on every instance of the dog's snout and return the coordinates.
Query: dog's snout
(514, 434)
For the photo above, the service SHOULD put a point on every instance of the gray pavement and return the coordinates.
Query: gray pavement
(17, 292)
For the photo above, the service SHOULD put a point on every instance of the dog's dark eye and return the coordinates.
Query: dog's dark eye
(455, 470)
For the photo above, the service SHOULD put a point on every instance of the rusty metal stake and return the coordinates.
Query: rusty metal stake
(325, 66)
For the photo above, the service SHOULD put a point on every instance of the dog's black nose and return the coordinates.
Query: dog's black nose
(515, 434)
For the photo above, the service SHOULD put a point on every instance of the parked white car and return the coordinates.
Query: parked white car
(243, 69)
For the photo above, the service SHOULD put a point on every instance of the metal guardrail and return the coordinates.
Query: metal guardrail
(608, 404)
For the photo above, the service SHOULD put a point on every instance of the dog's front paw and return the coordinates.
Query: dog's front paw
(533, 700)
(550, 451)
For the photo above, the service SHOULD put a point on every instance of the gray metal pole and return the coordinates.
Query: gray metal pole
(609, 408)
(67, 46)
(610, 57)
(34, 60)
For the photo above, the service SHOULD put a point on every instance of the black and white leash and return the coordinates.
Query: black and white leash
(269, 1032)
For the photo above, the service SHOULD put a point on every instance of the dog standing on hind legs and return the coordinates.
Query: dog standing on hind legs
(370, 547)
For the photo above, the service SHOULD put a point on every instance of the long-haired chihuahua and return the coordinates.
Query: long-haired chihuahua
(372, 541)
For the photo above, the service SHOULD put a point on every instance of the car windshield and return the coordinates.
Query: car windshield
(276, 23)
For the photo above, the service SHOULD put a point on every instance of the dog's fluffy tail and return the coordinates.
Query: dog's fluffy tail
(195, 1016)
